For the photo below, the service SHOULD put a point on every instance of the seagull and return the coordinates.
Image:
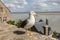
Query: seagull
(28, 23)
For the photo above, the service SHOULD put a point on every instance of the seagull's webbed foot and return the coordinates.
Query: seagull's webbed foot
(29, 33)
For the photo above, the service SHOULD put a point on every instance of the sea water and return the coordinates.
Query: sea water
(54, 20)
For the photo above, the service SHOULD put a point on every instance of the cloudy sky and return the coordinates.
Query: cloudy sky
(33, 5)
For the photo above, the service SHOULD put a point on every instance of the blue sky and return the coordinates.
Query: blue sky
(33, 5)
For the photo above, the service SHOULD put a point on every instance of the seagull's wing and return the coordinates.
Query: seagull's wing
(24, 23)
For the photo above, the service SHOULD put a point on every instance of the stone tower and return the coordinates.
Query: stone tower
(46, 28)
(4, 13)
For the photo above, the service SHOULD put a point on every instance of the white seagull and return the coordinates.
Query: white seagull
(28, 23)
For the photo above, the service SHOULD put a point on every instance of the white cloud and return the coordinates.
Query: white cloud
(14, 4)
(10, 5)
(16, 1)
(18, 6)
(43, 0)
(54, 3)
(40, 0)
(43, 5)
(25, 2)
(20, 1)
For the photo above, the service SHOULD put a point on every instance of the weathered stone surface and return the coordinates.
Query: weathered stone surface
(11, 32)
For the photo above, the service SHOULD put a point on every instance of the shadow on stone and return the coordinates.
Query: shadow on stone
(58, 36)
(19, 32)
(40, 32)
(33, 29)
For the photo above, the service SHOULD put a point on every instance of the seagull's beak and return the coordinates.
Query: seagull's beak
(37, 14)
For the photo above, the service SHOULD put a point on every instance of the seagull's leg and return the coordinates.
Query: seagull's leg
(30, 29)
(26, 29)
(28, 33)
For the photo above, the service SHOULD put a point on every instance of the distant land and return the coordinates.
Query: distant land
(39, 12)
(42, 13)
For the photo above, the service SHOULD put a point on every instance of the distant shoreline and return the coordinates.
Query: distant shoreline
(41, 13)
